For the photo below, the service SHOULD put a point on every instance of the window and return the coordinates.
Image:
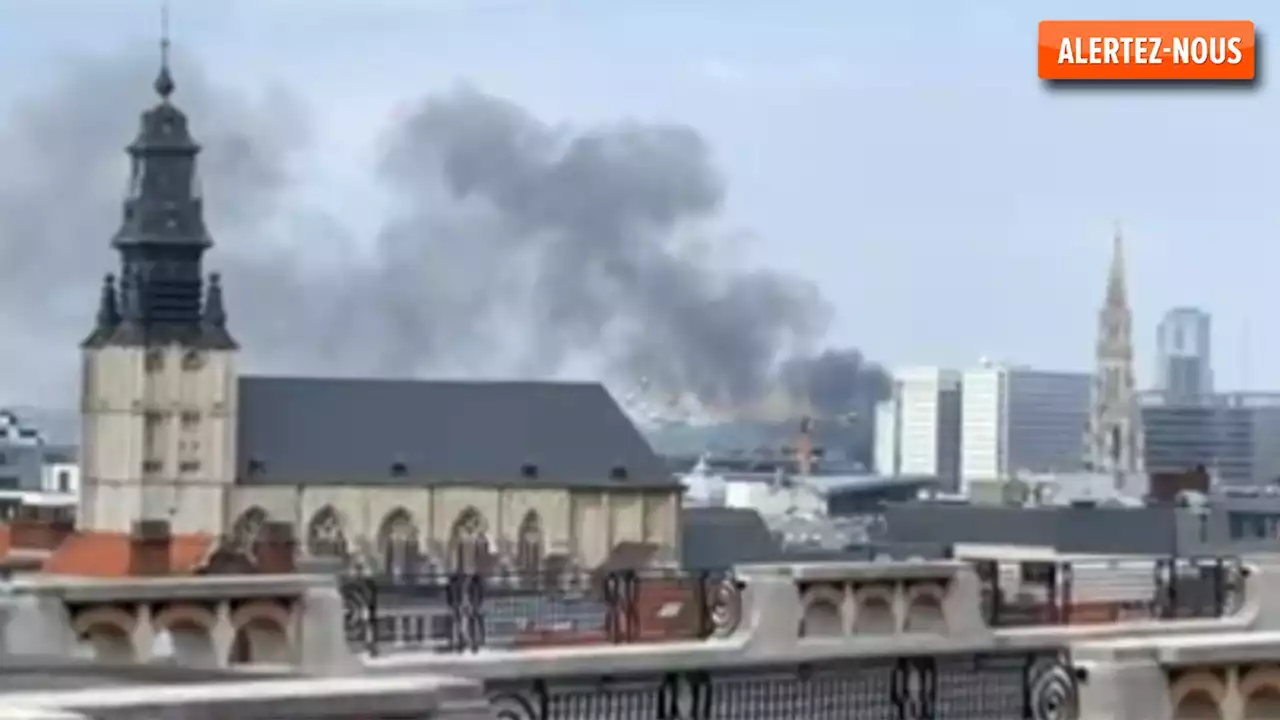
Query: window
(189, 466)
(154, 361)
(64, 481)
(192, 361)
(151, 466)
(190, 419)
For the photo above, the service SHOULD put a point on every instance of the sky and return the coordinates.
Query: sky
(902, 156)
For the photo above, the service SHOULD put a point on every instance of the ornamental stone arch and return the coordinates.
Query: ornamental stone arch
(1197, 695)
(262, 634)
(184, 632)
(925, 608)
(873, 610)
(1259, 693)
(105, 634)
(824, 612)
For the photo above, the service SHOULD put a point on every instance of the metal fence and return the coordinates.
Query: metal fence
(463, 612)
(1057, 592)
(1022, 685)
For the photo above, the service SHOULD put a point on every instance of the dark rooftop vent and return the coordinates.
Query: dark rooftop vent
(256, 467)
(618, 472)
(529, 471)
(399, 469)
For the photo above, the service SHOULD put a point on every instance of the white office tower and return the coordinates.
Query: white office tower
(1021, 420)
(888, 442)
(927, 429)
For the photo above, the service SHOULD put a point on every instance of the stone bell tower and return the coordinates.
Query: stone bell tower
(158, 392)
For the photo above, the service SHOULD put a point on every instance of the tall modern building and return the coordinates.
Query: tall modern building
(1184, 369)
(1018, 419)
(918, 428)
(1113, 442)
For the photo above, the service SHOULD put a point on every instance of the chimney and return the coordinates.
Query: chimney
(39, 528)
(149, 548)
(274, 549)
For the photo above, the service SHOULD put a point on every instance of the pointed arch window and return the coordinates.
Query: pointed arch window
(469, 543)
(398, 544)
(325, 534)
(245, 531)
(529, 547)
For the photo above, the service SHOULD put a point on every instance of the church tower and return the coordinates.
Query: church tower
(1114, 439)
(158, 392)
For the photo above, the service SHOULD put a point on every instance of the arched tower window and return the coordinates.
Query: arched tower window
(326, 536)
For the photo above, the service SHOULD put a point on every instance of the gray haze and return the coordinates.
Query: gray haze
(511, 247)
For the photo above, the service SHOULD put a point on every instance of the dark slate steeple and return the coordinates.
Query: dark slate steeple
(162, 236)
(213, 332)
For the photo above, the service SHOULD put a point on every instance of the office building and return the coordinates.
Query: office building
(1184, 369)
(918, 428)
(1234, 436)
(1018, 419)
(888, 442)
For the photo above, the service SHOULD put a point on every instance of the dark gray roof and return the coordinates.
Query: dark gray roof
(412, 432)
(721, 537)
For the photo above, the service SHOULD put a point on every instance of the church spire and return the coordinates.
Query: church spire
(1117, 294)
(1114, 441)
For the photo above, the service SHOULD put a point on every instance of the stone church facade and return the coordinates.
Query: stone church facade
(386, 473)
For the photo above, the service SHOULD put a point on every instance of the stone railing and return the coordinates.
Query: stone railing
(818, 641)
(815, 641)
(1231, 676)
(428, 698)
(462, 613)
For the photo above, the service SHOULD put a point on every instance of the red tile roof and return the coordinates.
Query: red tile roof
(104, 554)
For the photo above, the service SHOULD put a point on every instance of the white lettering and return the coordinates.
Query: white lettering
(1233, 51)
(1065, 57)
(1110, 51)
(1207, 51)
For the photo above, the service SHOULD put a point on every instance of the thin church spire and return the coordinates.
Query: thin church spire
(1117, 288)
(164, 84)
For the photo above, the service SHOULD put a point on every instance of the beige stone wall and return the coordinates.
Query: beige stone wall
(583, 524)
(158, 437)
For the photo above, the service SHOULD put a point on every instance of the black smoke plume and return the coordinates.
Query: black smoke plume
(513, 247)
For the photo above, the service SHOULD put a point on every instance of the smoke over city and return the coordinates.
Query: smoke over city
(511, 247)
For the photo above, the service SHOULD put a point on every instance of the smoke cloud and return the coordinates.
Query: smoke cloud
(513, 247)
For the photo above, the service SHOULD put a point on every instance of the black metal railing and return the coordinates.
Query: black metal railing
(1021, 685)
(463, 612)
(1049, 592)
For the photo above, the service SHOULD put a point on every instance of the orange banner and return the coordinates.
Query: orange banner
(1206, 50)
